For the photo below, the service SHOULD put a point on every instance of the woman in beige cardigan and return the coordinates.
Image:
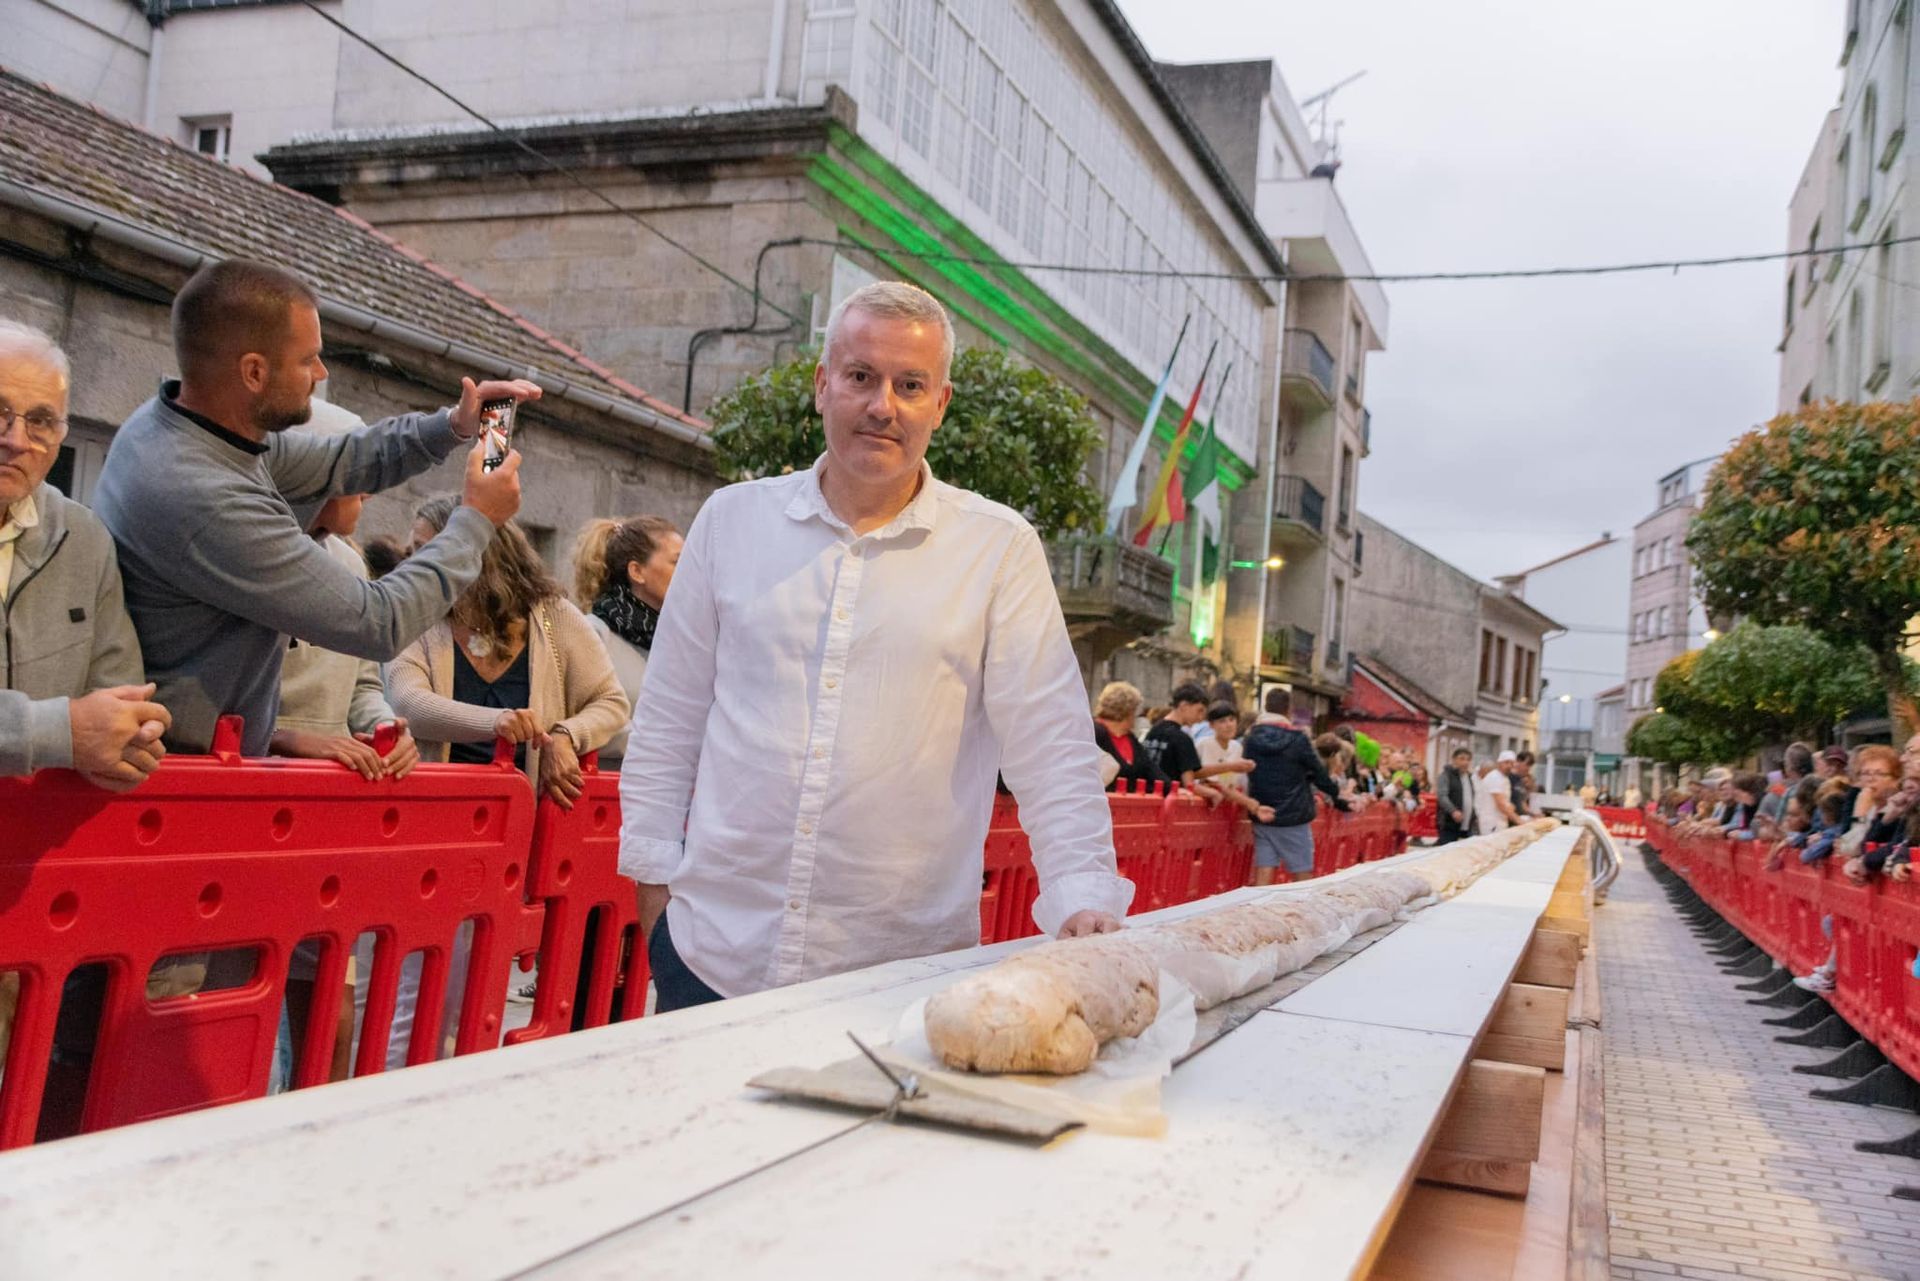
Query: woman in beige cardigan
(514, 660)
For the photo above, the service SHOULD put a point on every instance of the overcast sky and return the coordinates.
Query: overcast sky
(1516, 420)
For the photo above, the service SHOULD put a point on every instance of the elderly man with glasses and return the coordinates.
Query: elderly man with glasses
(72, 696)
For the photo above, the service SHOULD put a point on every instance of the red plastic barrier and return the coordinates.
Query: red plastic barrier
(592, 914)
(213, 854)
(1424, 822)
(1876, 928)
(1622, 822)
(1011, 886)
(1896, 989)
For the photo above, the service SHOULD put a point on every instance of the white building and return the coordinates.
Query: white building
(803, 146)
(1586, 591)
(1860, 182)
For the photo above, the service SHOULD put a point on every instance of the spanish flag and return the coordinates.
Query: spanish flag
(1167, 505)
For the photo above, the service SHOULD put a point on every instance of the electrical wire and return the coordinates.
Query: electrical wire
(1674, 265)
(571, 176)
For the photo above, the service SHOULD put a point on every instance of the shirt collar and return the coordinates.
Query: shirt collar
(170, 389)
(22, 516)
(809, 503)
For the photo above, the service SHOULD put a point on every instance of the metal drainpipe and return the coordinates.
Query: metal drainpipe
(700, 336)
(1266, 551)
(776, 52)
(156, 37)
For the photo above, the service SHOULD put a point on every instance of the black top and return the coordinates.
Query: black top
(512, 691)
(1173, 749)
(1286, 769)
(171, 388)
(1141, 770)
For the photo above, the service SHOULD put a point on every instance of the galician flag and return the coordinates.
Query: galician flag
(1203, 483)
(1166, 506)
(1129, 479)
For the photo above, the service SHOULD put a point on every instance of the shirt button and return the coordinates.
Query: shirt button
(832, 683)
(840, 614)
(819, 753)
(793, 905)
(806, 829)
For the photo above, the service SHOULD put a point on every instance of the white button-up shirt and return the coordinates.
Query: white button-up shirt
(811, 764)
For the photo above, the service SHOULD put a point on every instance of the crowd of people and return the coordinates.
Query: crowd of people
(215, 574)
(1273, 770)
(1858, 807)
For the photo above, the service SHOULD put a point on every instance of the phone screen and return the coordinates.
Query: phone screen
(496, 420)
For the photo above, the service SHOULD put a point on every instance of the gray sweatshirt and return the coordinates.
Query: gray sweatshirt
(65, 632)
(220, 571)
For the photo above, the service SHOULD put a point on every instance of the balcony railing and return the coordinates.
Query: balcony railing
(1366, 432)
(1305, 361)
(1353, 388)
(1103, 579)
(1359, 549)
(1333, 653)
(1292, 648)
(1295, 499)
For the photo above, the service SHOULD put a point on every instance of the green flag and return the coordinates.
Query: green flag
(1202, 484)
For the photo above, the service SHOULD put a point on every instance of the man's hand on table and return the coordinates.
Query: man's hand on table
(1081, 924)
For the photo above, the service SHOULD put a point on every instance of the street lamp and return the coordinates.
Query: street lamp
(1275, 562)
(1711, 635)
(1566, 698)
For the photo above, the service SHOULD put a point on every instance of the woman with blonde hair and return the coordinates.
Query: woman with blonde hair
(1113, 718)
(514, 660)
(621, 572)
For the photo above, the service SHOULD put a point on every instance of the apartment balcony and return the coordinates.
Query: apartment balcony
(1299, 512)
(1308, 373)
(1572, 742)
(1333, 653)
(1366, 432)
(1110, 590)
(1290, 648)
(1353, 389)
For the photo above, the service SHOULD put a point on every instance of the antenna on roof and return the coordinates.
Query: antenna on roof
(1327, 136)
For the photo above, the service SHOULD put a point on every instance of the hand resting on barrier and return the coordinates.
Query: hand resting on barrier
(116, 735)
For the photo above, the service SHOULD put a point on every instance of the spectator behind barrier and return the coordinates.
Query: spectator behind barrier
(197, 489)
(1222, 745)
(382, 555)
(1113, 718)
(1456, 808)
(331, 703)
(1287, 769)
(1171, 742)
(621, 572)
(73, 696)
(1493, 795)
(514, 660)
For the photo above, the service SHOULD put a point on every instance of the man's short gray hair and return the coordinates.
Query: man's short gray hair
(25, 341)
(895, 300)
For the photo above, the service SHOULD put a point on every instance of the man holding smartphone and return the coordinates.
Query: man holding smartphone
(209, 497)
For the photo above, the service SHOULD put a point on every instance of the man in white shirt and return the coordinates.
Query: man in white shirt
(1493, 795)
(848, 655)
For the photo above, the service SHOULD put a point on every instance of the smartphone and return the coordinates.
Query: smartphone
(496, 420)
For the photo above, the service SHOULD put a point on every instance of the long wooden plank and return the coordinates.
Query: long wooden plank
(1529, 1028)
(1552, 960)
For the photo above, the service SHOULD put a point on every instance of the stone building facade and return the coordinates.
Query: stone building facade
(94, 257)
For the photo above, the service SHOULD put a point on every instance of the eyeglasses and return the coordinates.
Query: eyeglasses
(44, 430)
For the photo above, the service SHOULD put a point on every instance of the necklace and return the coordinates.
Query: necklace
(478, 645)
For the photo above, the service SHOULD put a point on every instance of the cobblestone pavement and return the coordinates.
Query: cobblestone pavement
(1719, 1166)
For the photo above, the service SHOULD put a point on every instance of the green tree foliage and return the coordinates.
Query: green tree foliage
(1673, 740)
(1013, 433)
(1814, 519)
(1772, 684)
(1753, 686)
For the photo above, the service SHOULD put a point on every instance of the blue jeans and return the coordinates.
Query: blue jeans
(675, 987)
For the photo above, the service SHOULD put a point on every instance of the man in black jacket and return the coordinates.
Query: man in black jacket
(1454, 797)
(1286, 769)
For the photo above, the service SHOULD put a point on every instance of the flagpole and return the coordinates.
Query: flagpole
(1200, 541)
(1129, 477)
